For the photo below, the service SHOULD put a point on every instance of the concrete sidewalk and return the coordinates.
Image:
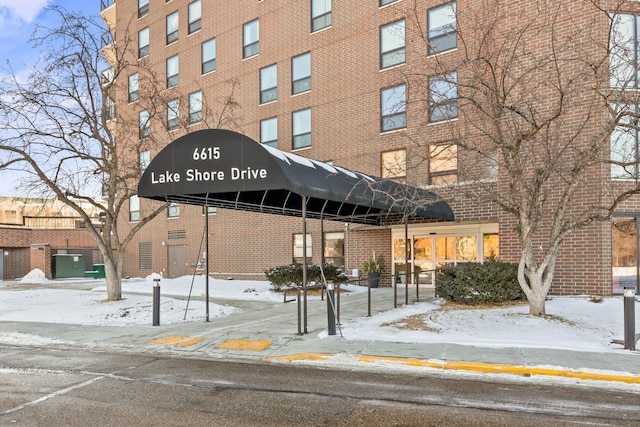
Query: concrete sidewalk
(268, 332)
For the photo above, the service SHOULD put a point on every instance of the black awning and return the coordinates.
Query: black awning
(221, 168)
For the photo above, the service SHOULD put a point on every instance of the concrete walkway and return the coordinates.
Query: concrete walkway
(268, 332)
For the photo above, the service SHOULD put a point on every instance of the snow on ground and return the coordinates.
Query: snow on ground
(574, 323)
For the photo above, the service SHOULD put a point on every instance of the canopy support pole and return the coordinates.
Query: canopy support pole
(304, 259)
(206, 259)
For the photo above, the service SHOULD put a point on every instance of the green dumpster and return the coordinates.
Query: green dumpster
(99, 268)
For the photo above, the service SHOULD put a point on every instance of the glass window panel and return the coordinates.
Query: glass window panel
(392, 44)
(442, 28)
(394, 164)
(133, 87)
(423, 249)
(302, 128)
(393, 108)
(172, 27)
(467, 248)
(208, 56)
(301, 73)
(320, 14)
(251, 37)
(269, 132)
(491, 246)
(195, 16)
(143, 42)
(145, 159)
(173, 71)
(134, 208)
(445, 248)
(624, 254)
(443, 97)
(144, 123)
(173, 114)
(297, 246)
(624, 51)
(195, 107)
(269, 84)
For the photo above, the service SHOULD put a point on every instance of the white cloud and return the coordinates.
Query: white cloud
(20, 10)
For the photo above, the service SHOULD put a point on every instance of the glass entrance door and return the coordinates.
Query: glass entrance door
(624, 253)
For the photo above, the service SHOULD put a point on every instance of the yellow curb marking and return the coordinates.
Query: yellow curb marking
(253, 345)
(178, 341)
(303, 356)
(476, 367)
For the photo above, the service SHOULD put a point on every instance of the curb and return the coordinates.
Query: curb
(480, 367)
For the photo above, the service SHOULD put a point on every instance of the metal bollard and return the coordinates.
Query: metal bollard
(156, 302)
(630, 318)
(331, 316)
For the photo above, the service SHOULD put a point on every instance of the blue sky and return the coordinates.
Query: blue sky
(17, 20)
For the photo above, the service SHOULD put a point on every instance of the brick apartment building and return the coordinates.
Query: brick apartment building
(328, 80)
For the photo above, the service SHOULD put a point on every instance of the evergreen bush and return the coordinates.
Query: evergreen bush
(472, 283)
(284, 277)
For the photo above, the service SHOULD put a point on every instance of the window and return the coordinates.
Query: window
(301, 73)
(268, 84)
(251, 38)
(320, 14)
(623, 62)
(143, 8)
(297, 247)
(392, 44)
(173, 114)
(393, 164)
(491, 246)
(145, 159)
(133, 87)
(625, 140)
(386, 2)
(442, 28)
(143, 42)
(145, 126)
(208, 56)
(195, 16)
(443, 164)
(443, 97)
(334, 248)
(302, 128)
(269, 132)
(173, 71)
(209, 210)
(173, 211)
(195, 107)
(393, 107)
(172, 28)
(134, 208)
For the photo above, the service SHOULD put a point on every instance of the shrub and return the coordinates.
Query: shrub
(290, 276)
(472, 283)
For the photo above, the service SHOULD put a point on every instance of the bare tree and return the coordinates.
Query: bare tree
(61, 122)
(535, 112)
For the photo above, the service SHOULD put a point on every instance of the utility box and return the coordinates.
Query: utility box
(68, 265)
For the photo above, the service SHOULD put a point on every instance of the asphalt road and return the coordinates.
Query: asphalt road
(76, 387)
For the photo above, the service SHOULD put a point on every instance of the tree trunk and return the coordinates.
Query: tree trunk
(113, 272)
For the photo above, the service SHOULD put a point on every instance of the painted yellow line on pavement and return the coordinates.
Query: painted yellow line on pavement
(487, 368)
(303, 356)
(253, 345)
(177, 341)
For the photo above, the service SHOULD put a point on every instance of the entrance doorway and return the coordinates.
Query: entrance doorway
(624, 252)
(431, 248)
(177, 261)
